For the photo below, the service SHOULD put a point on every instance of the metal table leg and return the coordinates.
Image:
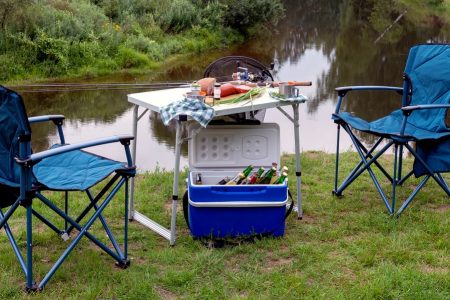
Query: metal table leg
(176, 175)
(132, 213)
(133, 146)
(298, 172)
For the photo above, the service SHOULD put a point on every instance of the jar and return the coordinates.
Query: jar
(216, 91)
(195, 89)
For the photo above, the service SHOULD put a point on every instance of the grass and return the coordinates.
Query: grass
(344, 248)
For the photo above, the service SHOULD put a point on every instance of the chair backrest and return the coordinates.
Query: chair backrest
(13, 124)
(428, 74)
(223, 68)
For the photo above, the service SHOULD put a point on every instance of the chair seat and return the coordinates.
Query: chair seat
(75, 170)
(390, 126)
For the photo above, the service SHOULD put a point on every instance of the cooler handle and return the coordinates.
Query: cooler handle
(230, 191)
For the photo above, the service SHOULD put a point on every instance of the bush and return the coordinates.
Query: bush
(130, 58)
(242, 14)
(179, 15)
(49, 38)
(10, 68)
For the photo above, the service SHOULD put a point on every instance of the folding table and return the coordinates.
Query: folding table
(154, 100)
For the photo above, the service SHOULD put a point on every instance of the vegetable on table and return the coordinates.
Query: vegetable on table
(252, 93)
(227, 89)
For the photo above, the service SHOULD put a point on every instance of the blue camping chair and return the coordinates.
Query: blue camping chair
(24, 176)
(421, 119)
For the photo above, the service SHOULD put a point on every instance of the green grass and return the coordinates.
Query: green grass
(344, 248)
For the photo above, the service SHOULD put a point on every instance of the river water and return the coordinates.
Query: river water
(319, 41)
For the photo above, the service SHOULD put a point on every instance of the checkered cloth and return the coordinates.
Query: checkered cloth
(198, 110)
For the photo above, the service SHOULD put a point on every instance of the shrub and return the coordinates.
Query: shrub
(9, 67)
(242, 14)
(177, 16)
(130, 58)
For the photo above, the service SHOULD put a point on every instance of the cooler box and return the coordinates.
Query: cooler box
(240, 210)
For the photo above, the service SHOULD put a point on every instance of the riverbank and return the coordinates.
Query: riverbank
(66, 39)
(344, 248)
(58, 40)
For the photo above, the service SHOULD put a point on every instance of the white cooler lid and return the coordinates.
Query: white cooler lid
(221, 147)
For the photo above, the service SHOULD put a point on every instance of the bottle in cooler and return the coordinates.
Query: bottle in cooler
(265, 179)
(281, 179)
(236, 179)
(275, 177)
(254, 178)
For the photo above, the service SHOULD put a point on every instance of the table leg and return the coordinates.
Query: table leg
(176, 175)
(298, 172)
(133, 153)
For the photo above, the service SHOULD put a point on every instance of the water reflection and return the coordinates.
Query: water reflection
(327, 42)
(79, 108)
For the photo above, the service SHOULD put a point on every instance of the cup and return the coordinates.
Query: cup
(288, 90)
(194, 96)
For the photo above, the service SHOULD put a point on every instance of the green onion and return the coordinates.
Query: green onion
(256, 91)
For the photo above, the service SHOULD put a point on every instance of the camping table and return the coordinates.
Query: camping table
(154, 100)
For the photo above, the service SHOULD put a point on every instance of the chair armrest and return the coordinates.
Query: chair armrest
(36, 157)
(342, 91)
(57, 119)
(411, 108)
(345, 89)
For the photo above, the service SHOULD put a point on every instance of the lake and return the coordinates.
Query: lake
(318, 41)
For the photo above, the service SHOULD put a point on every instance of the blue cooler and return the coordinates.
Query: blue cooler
(225, 210)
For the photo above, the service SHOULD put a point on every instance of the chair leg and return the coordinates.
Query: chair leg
(66, 208)
(368, 154)
(443, 180)
(14, 245)
(125, 238)
(402, 180)
(9, 213)
(441, 183)
(30, 284)
(336, 173)
(394, 182)
(82, 233)
(369, 170)
(400, 163)
(411, 197)
(437, 177)
(47, 222)
(106, 227)
(400, 168)
(97, 198)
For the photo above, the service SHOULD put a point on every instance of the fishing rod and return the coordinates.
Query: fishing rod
(91, 89)
(76, 87)
(156, 84)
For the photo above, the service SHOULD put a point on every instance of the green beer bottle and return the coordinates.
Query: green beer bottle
(281, 179)
(246, 173)
(275, 177)
(266, 178)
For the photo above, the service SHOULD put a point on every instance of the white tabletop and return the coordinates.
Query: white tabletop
(154, 100)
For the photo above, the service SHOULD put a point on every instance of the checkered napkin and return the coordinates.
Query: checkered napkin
(198, 110)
